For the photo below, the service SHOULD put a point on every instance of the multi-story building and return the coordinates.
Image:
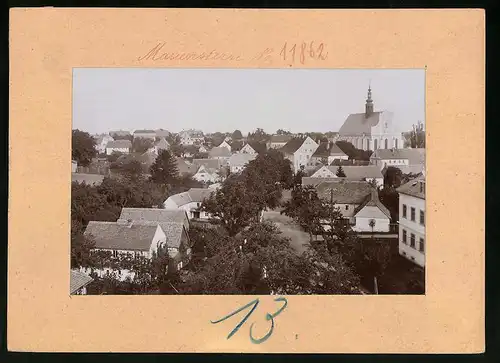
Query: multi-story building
(412, 220)
(299, 151)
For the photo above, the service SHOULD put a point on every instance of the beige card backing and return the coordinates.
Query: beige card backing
(46, 43)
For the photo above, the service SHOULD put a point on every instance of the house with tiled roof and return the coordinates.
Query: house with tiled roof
(185, 168)
(412, 220)
(126, 237)
(207, 175)
(190, 202)
(278, 141)
(247, 149)
(225, 144)
(175, 225)
(121, 146)
(78, 282)
(357, 201)
(221, 153)
(237, 162)
(145, 134)
(326, 153)
(352, 172)
(371, 130)
(209, 163)
(299, 151)
(409, 161)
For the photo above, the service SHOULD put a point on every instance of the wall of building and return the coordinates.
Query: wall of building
(411, 227)
(110, 150)
(368, 213)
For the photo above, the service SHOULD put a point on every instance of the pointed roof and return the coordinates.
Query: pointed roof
(373, 201)
(324, 150)
(155, 215)
(208, 163)
(293, 145)
(192, 195)
(358, 124)
(162, 144)
(344, 191)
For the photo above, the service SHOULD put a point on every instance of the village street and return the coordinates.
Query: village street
(298, 238)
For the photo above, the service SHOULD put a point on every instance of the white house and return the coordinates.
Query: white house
(299, 151)
(407, 160)
(247, 149)
(412, 220)
(352, 172)
(278, 141)
(358, 202)
(206, 175)
(190, 201)
(121, 146)
(225, 144)
(74, 166)
(238, 161)
(102, 142)
(126, 237)
(371, 130)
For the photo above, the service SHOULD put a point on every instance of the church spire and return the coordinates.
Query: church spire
(369, 102)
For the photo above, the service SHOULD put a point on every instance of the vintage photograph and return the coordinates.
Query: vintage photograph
(247, 181)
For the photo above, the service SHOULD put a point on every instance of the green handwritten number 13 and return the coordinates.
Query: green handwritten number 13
(255, 303)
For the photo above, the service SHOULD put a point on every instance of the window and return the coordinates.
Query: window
(412, 240)
(386, 144)
(396, 143)
(412, 217)
(347, 207)
(404, 237)
(422, 218)
(375, 144)
(404, 210)
(421, 245)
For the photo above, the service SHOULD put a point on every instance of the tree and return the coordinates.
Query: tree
(282, 132)
(164, 170)
(259, 135)
(130, 170)
(372, 225)
(340, 172)
(80, 246)
(353, 152)
(114, 156)
(393, 177)
(417, 135)
(305, 208)
(82, 147)
(232, 205)
(390, 198)
(236, 135)
(141, 144)
(176, 148)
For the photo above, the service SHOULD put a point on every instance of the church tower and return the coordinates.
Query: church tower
(369, 103)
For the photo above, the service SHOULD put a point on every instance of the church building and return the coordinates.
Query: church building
(371, 130)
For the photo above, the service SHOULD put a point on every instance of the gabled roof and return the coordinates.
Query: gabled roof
(325, 150)
(344, 191)
(162, 133)
(119, 144)
(162, 144)
(358, 124)
(359, 172)
(77, 280)
(241, 159)
(259, 147)
(373, 201)
(293, 145)
(219, 152)
(414, 188)
(172, 230)
(204, 169)
(192, 195)
(414, 156)
(280, 138)
(89, 179)
(155, 215)
(208, 163)
(185, 168)
(116, 236)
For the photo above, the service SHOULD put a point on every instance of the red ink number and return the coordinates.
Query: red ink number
(307, 51)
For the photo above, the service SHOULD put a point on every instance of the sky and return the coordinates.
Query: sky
(211, 100)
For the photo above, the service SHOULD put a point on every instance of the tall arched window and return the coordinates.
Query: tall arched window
(386, 146)
(396, 143)
(375, 144)
(367, 144)
(360, 143)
